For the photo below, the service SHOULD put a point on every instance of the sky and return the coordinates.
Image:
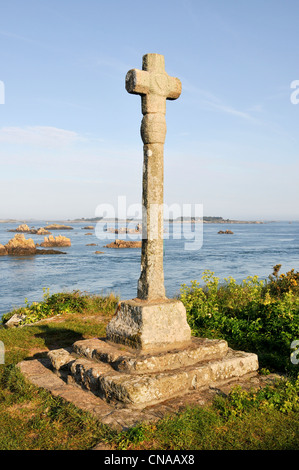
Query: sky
(69, 132)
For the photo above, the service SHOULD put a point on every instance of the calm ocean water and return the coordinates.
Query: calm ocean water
(253, 249)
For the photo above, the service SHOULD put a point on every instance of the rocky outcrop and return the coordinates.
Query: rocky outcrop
(58, 227)
(137, 229)
(88, 227)
(3, 250)
(50, 252)
(56, 241)
(41, 231)
(19, 246)
(229, 232)
(25, 229)
(15, 320)
(124, 244)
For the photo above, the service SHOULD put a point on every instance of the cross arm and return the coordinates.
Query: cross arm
(174, 88)
(137, 82)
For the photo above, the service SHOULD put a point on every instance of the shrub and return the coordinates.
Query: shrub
(254, 315)
(283, 396)
(283, 283)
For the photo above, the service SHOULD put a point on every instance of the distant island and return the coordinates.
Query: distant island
(205, 220)
(213, 220)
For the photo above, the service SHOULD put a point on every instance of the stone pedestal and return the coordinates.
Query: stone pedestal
(150, 325)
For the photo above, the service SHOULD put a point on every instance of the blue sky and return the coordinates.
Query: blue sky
(69, 131)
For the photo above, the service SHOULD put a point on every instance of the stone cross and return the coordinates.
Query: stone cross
(151, 321)
(155, 86)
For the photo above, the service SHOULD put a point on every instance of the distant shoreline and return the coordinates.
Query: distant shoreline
(184, 221)
(196, 220)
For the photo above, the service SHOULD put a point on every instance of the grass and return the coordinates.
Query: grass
(32, 419)
(206, 429)
(59, 328)
(267, 419)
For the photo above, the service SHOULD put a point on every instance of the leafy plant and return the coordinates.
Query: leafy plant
(60, 303)
(283, 396)
(253, 315)
(283, 283)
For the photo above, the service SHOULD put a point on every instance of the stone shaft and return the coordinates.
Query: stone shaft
(151, 281)
(155, 86)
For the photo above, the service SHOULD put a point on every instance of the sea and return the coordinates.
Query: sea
(189, 250)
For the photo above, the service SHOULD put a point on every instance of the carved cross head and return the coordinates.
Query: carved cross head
(153, 84)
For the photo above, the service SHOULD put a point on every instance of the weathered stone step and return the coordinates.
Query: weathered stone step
(127, 360)
(144, 389)
(38, 372)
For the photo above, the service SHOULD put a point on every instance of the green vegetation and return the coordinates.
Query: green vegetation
(267, 419)
(31, 418)
(34, 419)
(257, 316)
(60, 303)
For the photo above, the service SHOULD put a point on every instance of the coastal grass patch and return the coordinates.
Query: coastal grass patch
(32, 419)
(63, 303)
(60, 328)
(264, 419)
(207, 428)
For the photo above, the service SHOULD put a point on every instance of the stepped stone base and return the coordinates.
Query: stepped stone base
(124, 377)
(40, 373)
(124, 359)
(147, 359)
